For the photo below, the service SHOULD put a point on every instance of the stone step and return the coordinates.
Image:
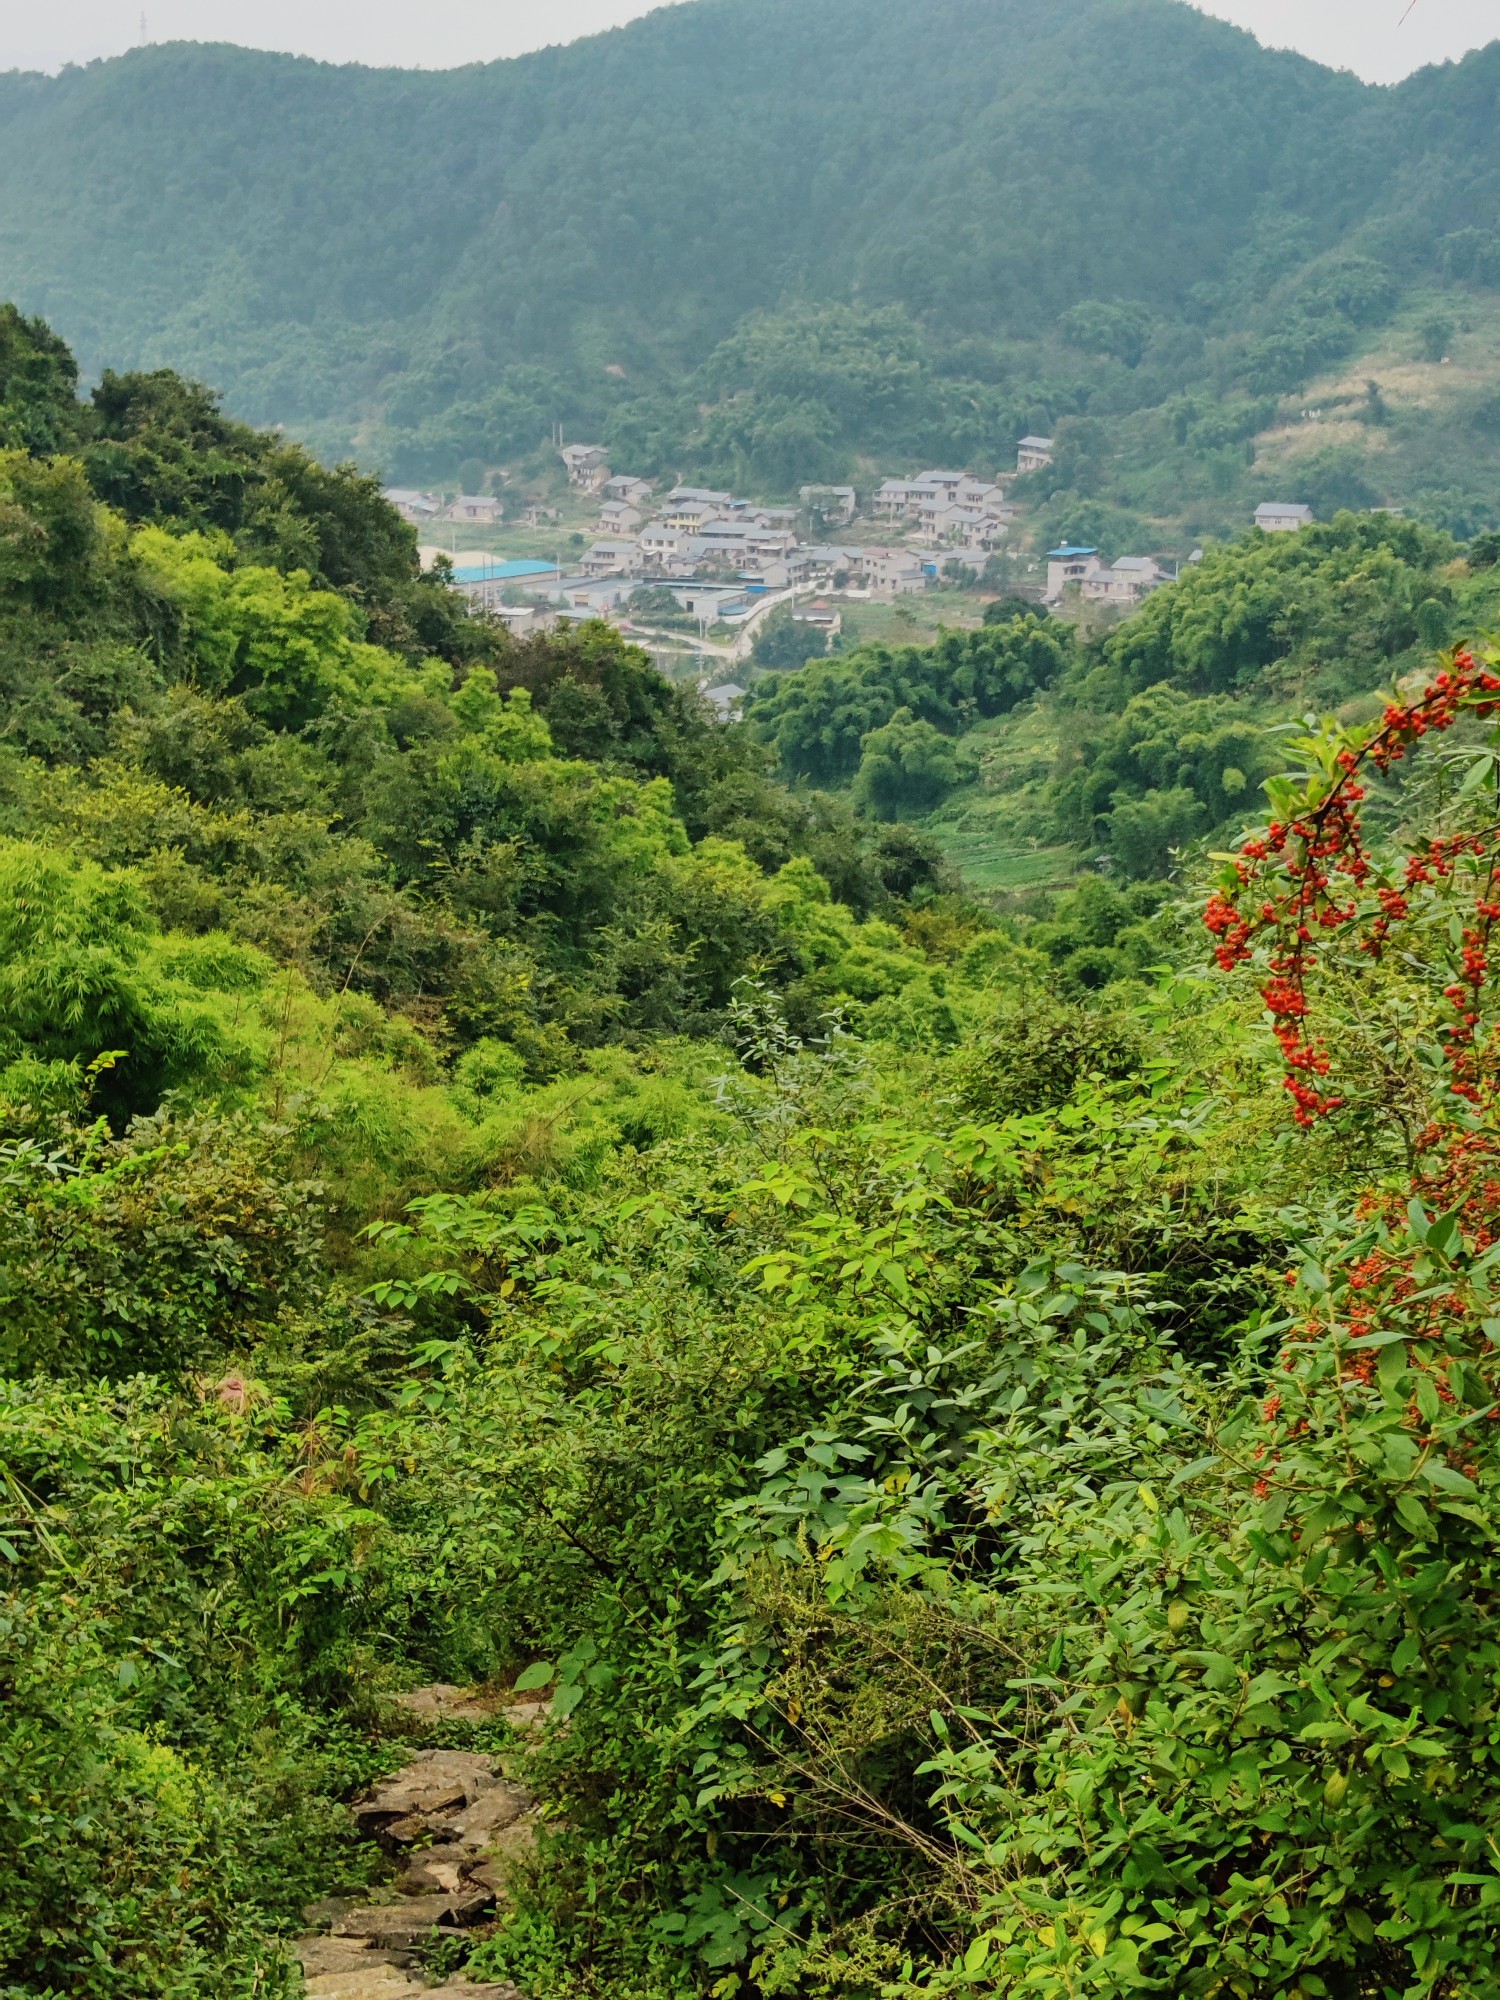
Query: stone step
(380, 1982)
(434, 1782)
(330, 1954)
(411, 1918)
(474, 1822)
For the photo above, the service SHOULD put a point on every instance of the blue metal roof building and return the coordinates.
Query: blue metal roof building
(503, 572)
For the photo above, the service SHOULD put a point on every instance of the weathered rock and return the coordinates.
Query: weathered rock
(527, 1714)
(460, 1988)
(477, 1824)
(442, 1703)
(513, 1841)
(435, 1871)
(318, 1916)
(409, 1919)
(436, 1781)
(379, 1982)
(330, 1954)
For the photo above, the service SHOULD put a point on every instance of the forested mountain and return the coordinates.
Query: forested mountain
(963, 220)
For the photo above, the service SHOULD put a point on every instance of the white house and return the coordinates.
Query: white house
(781, 572)
(893, 498)
(769, 544)
(660, 545)
(618, 517)
(1069, 564)
(592, 596)
(710, 601)
(892, 572)
(414, 506)
(475, 507)
(1032, 453)
(588, 465)
(1282, 517)
(621, 486)
(1124, 582)
(609, 558)
(981, 493)
(521, 620)
(941, 482)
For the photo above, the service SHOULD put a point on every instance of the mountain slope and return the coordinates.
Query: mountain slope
(355, 252)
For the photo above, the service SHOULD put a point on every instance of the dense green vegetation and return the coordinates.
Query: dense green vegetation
(1234, 221)
(499, 1181)
(1162, 725)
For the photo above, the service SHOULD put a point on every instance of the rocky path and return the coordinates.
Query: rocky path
(455, 1820)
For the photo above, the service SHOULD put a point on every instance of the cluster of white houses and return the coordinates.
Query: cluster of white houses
(695, 529)
(719, 553)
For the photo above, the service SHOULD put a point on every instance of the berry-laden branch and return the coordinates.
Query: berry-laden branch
(1310, 877)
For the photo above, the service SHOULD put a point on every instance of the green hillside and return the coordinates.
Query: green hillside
(771, 239)
(827, 1439)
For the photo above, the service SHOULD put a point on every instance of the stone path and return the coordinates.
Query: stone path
(456, 1820)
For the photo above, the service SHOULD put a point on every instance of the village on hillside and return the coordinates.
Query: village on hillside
(697, 560)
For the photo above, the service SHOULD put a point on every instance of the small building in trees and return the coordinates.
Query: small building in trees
(1071, 564)
(834, 503)
(480, 507)
(413, 506)
(1282, 517)
(587, 464)
(1124, 582)
(623, 486)
(1032, 453)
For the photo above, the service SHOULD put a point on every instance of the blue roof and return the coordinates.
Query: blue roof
(1060, 555)
(503, 572)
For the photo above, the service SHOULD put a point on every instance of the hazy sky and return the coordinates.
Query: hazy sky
(1368, 36)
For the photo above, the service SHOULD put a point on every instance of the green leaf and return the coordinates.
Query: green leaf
(1413, 1515)
(537, 1675)
(1446, 1480)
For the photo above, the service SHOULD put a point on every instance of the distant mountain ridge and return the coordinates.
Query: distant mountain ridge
(357, 253)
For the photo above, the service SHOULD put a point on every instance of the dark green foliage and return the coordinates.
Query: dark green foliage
(1097, 933)
(39, 409)
(1041, 1050)
(166, 1266)
(818, 720)
(1319, 323)
(906, 767)
(786, 641)
(1004, 609)
(1345, 590)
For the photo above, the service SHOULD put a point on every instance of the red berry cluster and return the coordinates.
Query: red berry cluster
(1311, 876)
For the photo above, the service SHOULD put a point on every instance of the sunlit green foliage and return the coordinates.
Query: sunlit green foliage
(495, 1187)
